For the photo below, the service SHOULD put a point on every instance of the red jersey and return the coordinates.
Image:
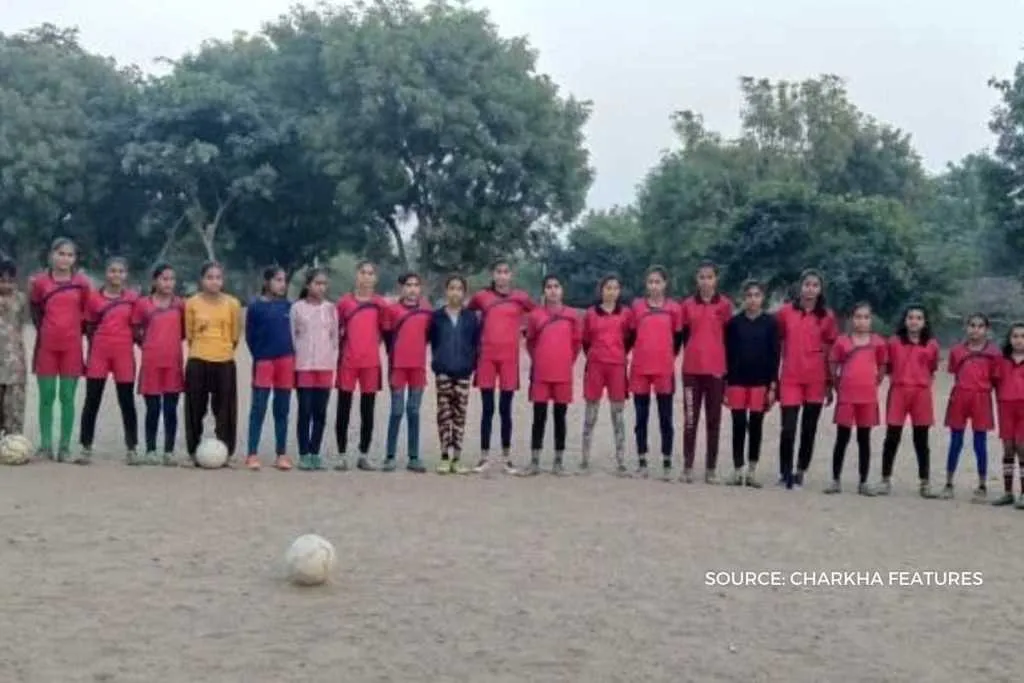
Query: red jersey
(553, 338)
(806, 338)
(160, 330)
(501, 317)
(859, 367)
(59, 309)
(655, 329)
(109, 318)
(406, 328)
(360, 323)
(1009, 380)
(604, 334)
(974, 370)
(704, 329)
(912, 365)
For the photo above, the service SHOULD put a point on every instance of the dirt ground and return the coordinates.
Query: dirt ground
(145, 574)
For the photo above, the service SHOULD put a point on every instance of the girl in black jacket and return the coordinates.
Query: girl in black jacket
(454, 340)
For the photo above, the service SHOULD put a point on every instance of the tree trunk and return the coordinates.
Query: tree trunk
(396, 234)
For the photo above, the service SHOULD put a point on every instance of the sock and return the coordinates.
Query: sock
(91, 410)
(863, 453)
(559, 412)
(956, 447)
(889, 448)
(318, 418)
(668, 433)
(170, 421)
(281, 408)
(341, 420)
(1009, 462)
(981, 455)
(47, 395)
(129, 417)
(366, 405)
(66, 395)
(642, 412)
(257, 412)
(618, 429)
(486, 418)
(589, 422)
(152, 421)
(540, 419)
(787, 441)
(304, 419)
(739, 437)
(394, 422)
(755, 427)
(505, 416)
(923, 453)
(412, 427)
(808, 434)
(839, 451)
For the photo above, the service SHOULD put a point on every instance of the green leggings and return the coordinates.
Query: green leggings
(50, 389)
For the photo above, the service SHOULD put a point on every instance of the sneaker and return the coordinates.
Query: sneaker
(341, 464)
(737, 479)
(169, 460)
(64, 454)
(711, 478)
(584, 468)
(483, 467)
(798, 480)
(509, 467)
(864, 489)
(752, 482)
(947, 492)
(833, 488)
(44, 454)
(924, 489)
(621, 471)
(416, 465)
(363, 464)
(884, 488)
(252, 462)
(283, 463)
(686, 476)
(84, 456)
(389, 465)
(304, 463)
(980, 495)
(558, 469)
(134, 459)
(642, 472)
(1020, 503)
(458, 469)
(666, 472)
(782, 482)
(1004, 500)
(532, 470)
(444, 467)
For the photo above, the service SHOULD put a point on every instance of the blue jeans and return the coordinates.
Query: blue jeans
(407, 403)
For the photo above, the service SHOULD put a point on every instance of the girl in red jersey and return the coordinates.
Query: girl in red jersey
(159, 321)
(111, 340)
(913, 360)
(501, 310)
(58, 298)
(858, 361)
(808, 329)
(554, 334)
(658, 332)
(974, 364)
(360, 320)
(1010, 397)
(704, 317)
(406, 325)
(606, 341)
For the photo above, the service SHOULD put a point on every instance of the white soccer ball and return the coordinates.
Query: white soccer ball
(310, 560)
(15, 449)
(212, 454)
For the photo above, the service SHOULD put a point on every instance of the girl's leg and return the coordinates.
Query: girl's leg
(257, 413)
(890, 446)
(486, 421)
(808, 433)
(838, 454)
(224, 402)
(366, 406)
(459, 402)
(693, 397)
(787, 443)
(642, 414)
(129, 416)
(558, 413)
(739, 437)
(755, 426)
(341, 420)
(302, 422)
(90, 412)
(197, 396)
(1009, 470)
(47, 396)
(444, 387)
(540, 420)
(589, 422)
(1020, 474)
(318, 419)
(713, 395)
(668, 432)
(863, 455)
(281, 409)
(152, 421)
(66, 396)
(981, 457)
(617, 408)
(956, 447)
(923, 453)
(170, 426)
(412, 428)
(394, 425)
(505, 418)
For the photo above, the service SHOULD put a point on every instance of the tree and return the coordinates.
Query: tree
(1006, 181)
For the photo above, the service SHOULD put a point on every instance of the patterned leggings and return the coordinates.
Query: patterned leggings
(452, 398)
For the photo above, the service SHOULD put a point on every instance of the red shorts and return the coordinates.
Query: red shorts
(557, 392)
(493, 373)
(1011, 421)
(413, 378)
(155, 381)
(754, 399)
(104, 361)
(275, 373)
(368, 379)
(909, 402)
(643, 385)
(600, 376)
(793, 394)
(314, 379)
(60, 363)
(970, 406)
(857, 414)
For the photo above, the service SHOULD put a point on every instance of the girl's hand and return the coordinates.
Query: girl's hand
(770, 399)
(830, 396)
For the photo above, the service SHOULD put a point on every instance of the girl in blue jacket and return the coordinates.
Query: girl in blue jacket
(454, 343)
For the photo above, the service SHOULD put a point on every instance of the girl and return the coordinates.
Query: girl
(704, 317)
(807, 329)
(268, 334)
(406, 323)
(159, 321)
(1010, 395)
(213, 327)
(501, 310)
(656, 324)
(913, 360)
(752, 369)
(973, 364)
(14, 316)
(454, 345)
(314, 324)
(858, 364)
(606, 341)
(554, 334)
(360, 317)
(58, 298)
(111, 340)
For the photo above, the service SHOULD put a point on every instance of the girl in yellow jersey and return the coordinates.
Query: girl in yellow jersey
(213, 326)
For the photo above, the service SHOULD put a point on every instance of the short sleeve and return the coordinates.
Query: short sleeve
(838, 353)
(829, 329)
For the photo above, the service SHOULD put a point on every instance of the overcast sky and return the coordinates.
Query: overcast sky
(919, 64)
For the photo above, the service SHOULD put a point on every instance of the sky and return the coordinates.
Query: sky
(921, 65)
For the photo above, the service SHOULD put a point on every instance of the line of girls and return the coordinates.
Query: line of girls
(312, 345)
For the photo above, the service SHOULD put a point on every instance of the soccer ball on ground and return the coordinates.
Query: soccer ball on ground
(15, 449)
(310, 560)
(212, 454)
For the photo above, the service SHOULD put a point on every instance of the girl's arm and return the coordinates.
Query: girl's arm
(236, 323)
(292, 323)
(577, 337)
(882, 360)
(250, 324)
(189, 321)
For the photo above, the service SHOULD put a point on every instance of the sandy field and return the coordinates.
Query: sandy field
(146, 574)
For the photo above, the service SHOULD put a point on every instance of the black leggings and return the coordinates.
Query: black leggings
(312, 419)
(863, 452)
(540, 420)
(487, 418)
(921, 450)
(366, 405)
(91, 410)
(642, 405)
(787, 440)
(157, 405)
(742, 422)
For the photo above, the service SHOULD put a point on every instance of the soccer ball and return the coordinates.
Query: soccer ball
(15, 449)
(310, 560)
(212, 454)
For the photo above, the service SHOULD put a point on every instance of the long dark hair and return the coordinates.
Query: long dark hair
(269, 273)
(820, 304)
(158, 270)
(926, 331)
(311, 274)
(1007, 346)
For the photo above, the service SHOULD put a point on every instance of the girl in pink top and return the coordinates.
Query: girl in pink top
(315, 336)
